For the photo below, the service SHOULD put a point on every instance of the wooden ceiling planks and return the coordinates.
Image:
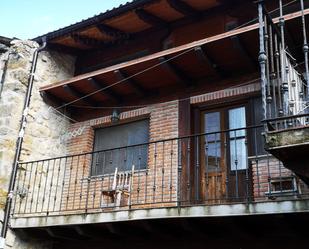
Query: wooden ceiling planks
(230, 60)
(163, 10)
(68, 41)
(154, 56)
(95, 33)
(203, 5)
(150, 78)
(131, 22)
(128, 22)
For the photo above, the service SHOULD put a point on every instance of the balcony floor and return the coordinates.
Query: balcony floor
(259, 208)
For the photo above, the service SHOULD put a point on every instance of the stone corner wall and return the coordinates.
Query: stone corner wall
(44, 128)
(12, 97)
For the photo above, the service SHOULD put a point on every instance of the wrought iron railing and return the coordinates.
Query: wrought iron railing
(285, 80)
(288, 122)
(221, 167)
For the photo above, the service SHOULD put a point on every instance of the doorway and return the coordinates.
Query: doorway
(224, 155)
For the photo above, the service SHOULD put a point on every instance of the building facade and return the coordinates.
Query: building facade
(180, 123)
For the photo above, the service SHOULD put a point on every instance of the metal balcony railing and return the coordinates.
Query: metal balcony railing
(284, 78)
(221, 167)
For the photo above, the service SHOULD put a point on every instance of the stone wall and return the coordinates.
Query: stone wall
(44, 126)
(3, 59)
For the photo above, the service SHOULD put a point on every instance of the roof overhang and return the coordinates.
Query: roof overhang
(130, 20)
(183, 67)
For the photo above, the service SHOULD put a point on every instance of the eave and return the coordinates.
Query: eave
(184, 67)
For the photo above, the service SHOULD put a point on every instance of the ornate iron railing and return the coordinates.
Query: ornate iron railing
(212, 168)
(285, 89)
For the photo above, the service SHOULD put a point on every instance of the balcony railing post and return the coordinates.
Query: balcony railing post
(179, 173)
(197, 169)
(63, 183)
(34, 184)
(256, 163)
(17, 188)
(163, 172)
(81, 180)
(75, 180)
(227, 171)
(39, 185)
(188, 170)
(277, 58)
(267, 66)
(285, 86)
(138, 189)
(247, 168)
(23, 186)
(305, 48)
(236, 163)
(217, 165)
(171, 170)
(206, 146)
(45, 185)
(154, 186)
(57, 183)
(273, 74)
(262, 57)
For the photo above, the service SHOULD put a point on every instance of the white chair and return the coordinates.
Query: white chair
(121, 188)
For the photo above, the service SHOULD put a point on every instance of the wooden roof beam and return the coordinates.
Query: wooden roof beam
(149, 18)
(122, 76)
(98, 84)
(51, 99)
(112, 32)
(182, 7)
(181, 76)
(73, 92)
(204, 57)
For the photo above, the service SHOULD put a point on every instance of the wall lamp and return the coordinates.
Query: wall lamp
(115, 116)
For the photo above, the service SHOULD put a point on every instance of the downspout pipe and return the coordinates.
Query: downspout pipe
(19, 142)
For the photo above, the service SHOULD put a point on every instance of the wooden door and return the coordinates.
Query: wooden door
(213, 156)
(224, 163)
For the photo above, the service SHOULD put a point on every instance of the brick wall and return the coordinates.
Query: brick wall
(265, 170)
(156, 184)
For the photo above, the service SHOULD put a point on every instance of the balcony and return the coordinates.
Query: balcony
(212, 174)
(285, 94)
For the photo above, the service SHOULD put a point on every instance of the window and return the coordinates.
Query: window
(233, 119)
(238, 150)
(117, 150)
(257, 137)
(213, 140)
(284, 184)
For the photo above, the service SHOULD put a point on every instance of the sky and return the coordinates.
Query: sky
(27, 19)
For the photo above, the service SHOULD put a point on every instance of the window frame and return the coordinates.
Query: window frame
(110, 125)
(237, 137)
(225, 106)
